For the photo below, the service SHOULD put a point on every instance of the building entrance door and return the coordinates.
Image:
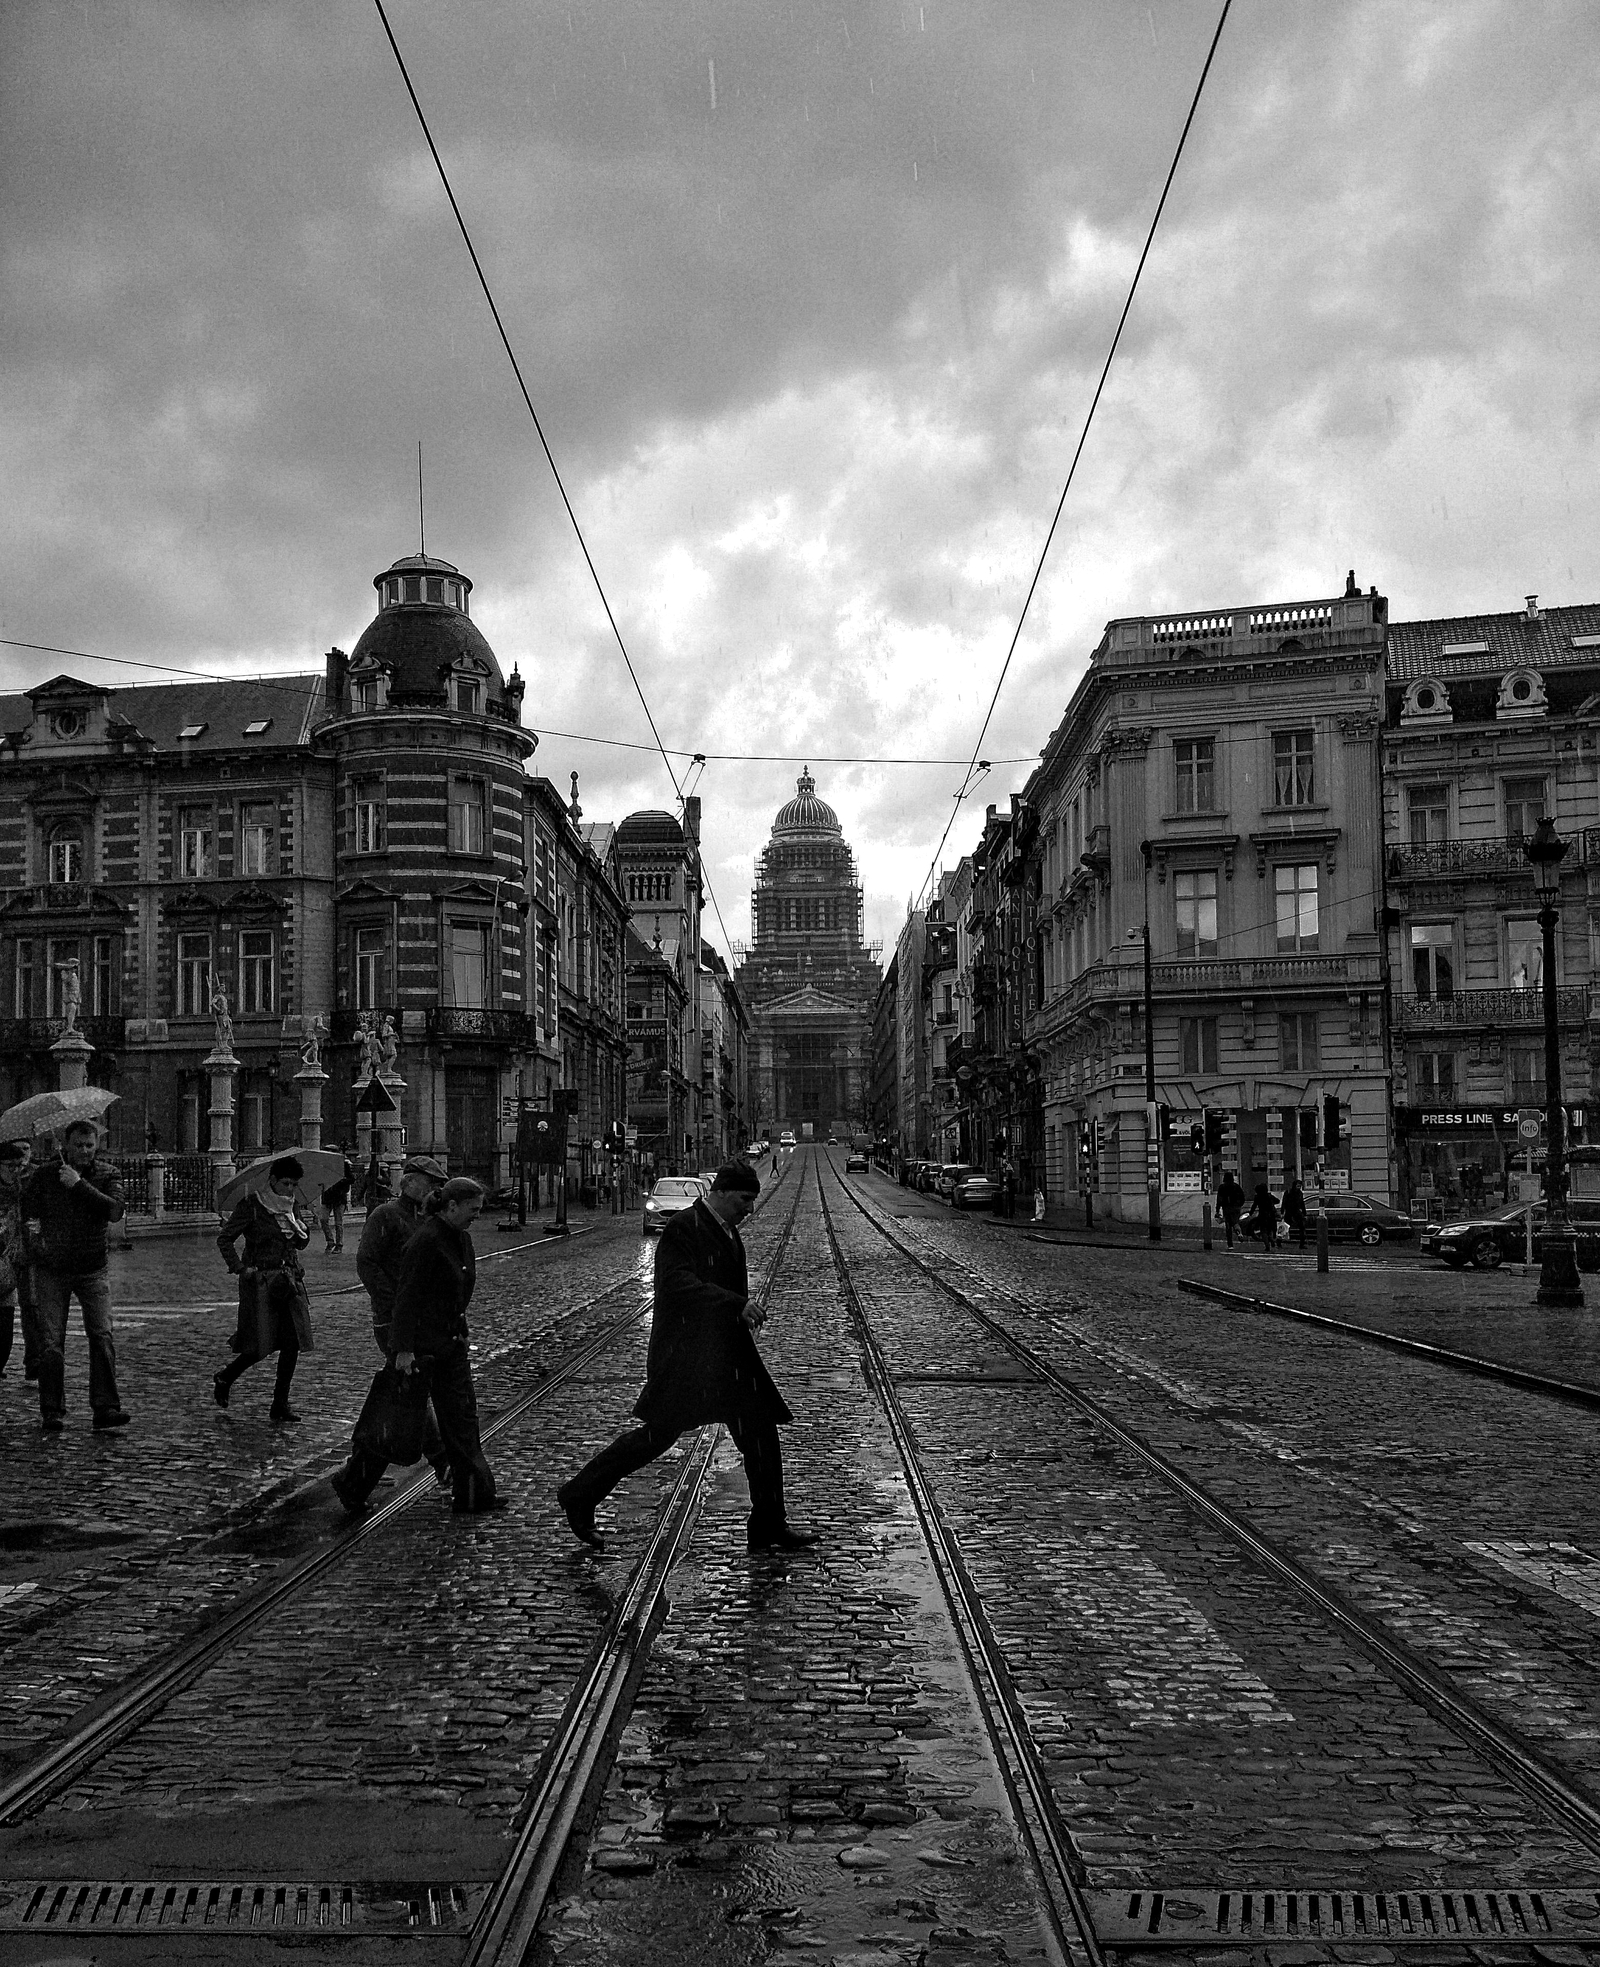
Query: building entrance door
(469, 1122)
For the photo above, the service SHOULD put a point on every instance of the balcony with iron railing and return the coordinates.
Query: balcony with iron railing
(1122, 978)
(462, 1024)
(1501, 854)
(1491, 1008)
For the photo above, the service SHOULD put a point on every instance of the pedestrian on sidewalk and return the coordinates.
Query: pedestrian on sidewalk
(702, 1366)
(274, 1311)
(68, 1202)
(428, 1333)
(335, 1200)
(1294, 1209)
(1230, 1199)
(1267, 1218)
(389, 1228)
(16, 1296)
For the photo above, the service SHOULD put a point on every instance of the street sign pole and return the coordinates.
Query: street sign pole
(522, 1162)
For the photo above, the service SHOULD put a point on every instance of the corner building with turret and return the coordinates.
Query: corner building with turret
(360, 844)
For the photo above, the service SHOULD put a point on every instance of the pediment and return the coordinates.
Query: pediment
(364, 890)
(64, 898)
(809, 1001)
(471, 891)
(65, 690)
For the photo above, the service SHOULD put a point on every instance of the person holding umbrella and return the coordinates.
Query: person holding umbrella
(274, 1311)
(67, 1204)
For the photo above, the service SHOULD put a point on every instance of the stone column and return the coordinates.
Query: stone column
(155, 1175)
(386, 1128)
(223, 1067)
(72, 1053)
(311, 1079)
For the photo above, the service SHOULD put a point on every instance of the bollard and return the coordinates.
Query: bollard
(1322, 1237)
(1205, 1225)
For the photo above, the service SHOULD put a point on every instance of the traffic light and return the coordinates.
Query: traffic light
(1197, 1136)
(1164, 1123)
(1086, 1140)
(615, 1137)
(1213, 1125)
(1331, 1124)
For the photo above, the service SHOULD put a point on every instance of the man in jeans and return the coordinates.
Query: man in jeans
(67, 1205)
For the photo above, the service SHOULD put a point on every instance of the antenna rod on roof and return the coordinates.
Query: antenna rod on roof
(422, 531)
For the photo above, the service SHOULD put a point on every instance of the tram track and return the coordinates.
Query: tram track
(1574, 1807)
(1057, 1863)
(119, 1715)
(1574, 1393)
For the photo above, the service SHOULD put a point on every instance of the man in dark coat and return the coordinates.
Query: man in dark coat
(702, 1366)
(1294, 1210)
(1267, 1218)
(1230, 1198)
(66, 1206)
(390, 1226)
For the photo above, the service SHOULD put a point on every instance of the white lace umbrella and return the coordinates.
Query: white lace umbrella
(47, 1113)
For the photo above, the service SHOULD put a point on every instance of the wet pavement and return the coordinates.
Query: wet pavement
(806, 1765)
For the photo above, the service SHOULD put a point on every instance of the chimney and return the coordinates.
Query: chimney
(1532, 614)
(338, 663)
(691, 818)
(1350, 588)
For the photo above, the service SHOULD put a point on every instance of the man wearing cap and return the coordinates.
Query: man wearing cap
(702, 1366)
(389, 1228)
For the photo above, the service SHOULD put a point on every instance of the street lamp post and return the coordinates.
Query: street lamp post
(1152, 1151)
(1558, 1262)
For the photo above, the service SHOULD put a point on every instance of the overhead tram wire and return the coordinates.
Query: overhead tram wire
(1083, 438)
(516, 370)
(279, 682)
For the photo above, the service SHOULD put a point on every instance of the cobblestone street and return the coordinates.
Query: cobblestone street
(1124, 1599)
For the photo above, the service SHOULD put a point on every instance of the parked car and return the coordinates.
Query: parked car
(1363, 1217)
(671, 1194)
(1485, 1241)
(974, 1191)
(927, 1177)
(856, 1160)
(946, 1177)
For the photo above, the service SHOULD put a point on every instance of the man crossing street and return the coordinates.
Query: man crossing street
(702, 1366)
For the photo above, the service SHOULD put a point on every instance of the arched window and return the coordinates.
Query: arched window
(65, 857)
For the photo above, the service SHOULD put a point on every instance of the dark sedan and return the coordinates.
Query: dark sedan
(1486, 1241)
(856, 1162)
(1362, 1218)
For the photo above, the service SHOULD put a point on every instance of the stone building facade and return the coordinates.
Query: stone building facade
(1490, 722)
(1216, 775)
(323, 853)
(808, 977)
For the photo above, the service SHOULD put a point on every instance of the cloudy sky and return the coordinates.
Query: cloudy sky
(811, 300)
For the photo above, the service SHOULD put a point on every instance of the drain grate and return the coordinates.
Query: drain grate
(1247, 1918)
(251, 1906)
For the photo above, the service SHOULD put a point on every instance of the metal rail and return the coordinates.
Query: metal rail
(1575, 1808)
(577, 1763)
(127, 1708)
(132, 1704)
(1060, 1867)
(1575, 1392)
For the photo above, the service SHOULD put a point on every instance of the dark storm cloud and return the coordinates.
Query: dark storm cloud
(811, 303)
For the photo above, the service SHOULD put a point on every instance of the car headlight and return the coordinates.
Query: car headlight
(1455, 1229)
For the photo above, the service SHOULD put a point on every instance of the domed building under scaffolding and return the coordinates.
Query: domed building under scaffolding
(808, 977)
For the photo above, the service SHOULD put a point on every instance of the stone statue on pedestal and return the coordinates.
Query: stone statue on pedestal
(388, 1048)
(310, 1046)
(224, 1023)
(71, 995)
